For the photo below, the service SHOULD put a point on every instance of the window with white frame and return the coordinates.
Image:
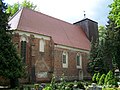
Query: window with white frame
(79, 60)
(65, 59)
(41, 45)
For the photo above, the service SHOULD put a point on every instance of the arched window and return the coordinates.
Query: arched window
(23, 47)
(41, 45)
(65, 59)
(79, 60)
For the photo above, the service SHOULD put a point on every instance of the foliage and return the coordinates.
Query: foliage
(96, 58)
(63, 85)
(114, 26)
(109, 43)
(113, 82)
(102, 78)
(94, 78)
(114, 14)
(108, 77)
(102, 32)
(70, 85)
(98, 77)
(12, 9)
(11, 64)
(80, 85)
(53, 83)
(108, 50)
(110, 89)
(116, 49)
(92, 57)
(102, 52)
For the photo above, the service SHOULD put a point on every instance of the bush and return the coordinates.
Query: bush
(48, 88)
(108, 77)
(112, 82)
(101, 80)
(98, 77)
(80, 85)
(94, 78)
(70, 86)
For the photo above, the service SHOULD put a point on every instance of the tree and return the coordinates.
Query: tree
(102, 32)
(114, 14)
(104, 56)
(108, 50)
(12, 9)
(11, 65)
(114, 25)
(96, 58)
(116, 58)
(92, 57)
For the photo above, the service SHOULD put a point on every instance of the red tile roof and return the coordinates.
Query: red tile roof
(61, 32)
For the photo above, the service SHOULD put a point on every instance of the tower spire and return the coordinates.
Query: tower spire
(84, 15)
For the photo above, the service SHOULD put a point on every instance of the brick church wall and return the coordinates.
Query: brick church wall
(41, 65)
(72, 72)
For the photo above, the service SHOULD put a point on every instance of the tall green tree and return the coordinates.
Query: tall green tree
(12, 9)
(109, 41)
(96, 59)
(114, 14)
(108, 51)
(114, 25)
(101, 54)
(11, 65)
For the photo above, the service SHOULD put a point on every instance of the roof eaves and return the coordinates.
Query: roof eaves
(72, 47)
(34, 33)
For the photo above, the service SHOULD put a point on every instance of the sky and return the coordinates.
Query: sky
(72, 10)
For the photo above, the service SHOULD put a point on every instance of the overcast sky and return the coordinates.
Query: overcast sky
(72, 10)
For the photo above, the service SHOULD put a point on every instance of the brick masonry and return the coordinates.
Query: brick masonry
(41, 65)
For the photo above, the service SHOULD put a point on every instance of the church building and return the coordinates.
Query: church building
(51, 46)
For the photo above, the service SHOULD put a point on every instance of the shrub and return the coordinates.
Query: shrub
(70, 86)
(80, 85)
(101, 80)
(62, 83)
(108, 77)
(53, 83)
(48, 88)
(98, 77)
(112, 82)
(94, 78)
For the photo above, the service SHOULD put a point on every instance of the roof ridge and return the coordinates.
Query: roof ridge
(49, 16)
